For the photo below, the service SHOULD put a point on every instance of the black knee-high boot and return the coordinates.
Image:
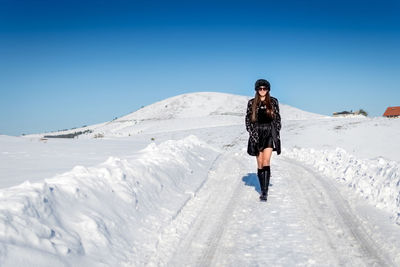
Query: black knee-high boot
(260, 174)
(267, 176)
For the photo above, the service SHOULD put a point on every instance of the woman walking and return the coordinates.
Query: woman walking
(263, 122)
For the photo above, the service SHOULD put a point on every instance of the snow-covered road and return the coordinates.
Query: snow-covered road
(306, 221)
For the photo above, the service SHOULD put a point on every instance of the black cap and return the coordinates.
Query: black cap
(262, 82)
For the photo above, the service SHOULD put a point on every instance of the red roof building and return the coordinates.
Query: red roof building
(392, 112)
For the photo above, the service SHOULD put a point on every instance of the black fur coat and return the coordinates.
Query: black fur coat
(251, 127)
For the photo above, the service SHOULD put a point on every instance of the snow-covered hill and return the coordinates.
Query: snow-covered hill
(182, 112)
(191, 105)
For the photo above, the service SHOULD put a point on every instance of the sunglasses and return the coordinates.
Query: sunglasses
(262, 88)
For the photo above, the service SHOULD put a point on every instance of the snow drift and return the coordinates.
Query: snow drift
(377, 179)
(102, 215)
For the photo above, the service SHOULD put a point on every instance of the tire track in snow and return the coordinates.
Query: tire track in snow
(344, 233)
(265, 234)
(199, 246)
(215, 237)
(194, 232)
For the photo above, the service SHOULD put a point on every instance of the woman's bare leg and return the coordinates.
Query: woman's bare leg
(266, 157)
(260, 159)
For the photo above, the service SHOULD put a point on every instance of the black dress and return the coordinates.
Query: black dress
(264, 130)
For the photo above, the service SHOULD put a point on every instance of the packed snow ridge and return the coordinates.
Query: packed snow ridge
(101, 211)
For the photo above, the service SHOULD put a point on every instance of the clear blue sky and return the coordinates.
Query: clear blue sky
(70, 63)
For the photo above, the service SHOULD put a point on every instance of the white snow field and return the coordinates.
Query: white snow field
(172, 185)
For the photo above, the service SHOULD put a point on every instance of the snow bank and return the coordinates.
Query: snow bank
(377, 180)
(107, 215)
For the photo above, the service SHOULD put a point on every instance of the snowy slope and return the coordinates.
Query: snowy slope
(291, 113)
(183, 112)
(190, 106)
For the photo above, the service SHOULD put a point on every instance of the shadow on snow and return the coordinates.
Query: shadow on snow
(251, 179)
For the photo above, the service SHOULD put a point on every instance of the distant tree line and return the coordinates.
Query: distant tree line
(358, 112)
(69, 135)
